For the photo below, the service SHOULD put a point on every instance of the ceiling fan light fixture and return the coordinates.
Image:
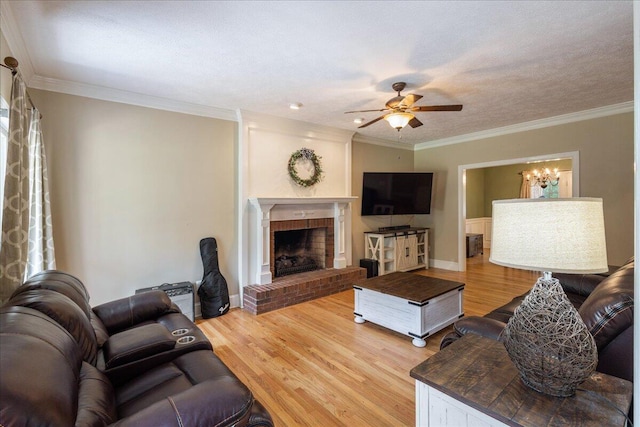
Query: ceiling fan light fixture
(398, 119)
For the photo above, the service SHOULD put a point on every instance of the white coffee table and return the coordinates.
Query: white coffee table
(408, 303)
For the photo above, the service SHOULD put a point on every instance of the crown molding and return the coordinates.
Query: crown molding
(625, 107)
(267, 122)
(358, 137)
(132, 98)
(15, 42)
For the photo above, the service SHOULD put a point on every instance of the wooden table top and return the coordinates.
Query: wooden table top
(409, 286)
(477, 371)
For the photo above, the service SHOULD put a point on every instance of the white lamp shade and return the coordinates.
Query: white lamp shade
(398, 120)
(556, 235)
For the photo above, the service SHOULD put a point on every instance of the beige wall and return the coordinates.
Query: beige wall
(606, 170)
(133, 190)
(374, 158)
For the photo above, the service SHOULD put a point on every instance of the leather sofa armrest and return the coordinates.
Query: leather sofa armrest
(608, 311)
(259, 416)
(580, 284)
(486, 327)
(102, 335)
(222, 401)
(136, 344)
(449, 339)
(126, 312)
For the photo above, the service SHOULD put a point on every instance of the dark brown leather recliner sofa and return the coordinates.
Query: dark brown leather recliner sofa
(134, 361)
(605, 304)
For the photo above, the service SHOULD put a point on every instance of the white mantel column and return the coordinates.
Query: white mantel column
(342, 241)
(263, 253)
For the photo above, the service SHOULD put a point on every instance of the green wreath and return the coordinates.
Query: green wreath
(305, 154)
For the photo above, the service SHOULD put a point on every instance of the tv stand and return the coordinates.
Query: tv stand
(394, 227)
(398, 249)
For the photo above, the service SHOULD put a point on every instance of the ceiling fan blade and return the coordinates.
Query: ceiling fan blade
(414, 123)
(409, 100)
(394, 102)
(365, 111)
(371, 122)
(437, 108)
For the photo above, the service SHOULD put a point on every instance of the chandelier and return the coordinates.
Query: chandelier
(544, 177)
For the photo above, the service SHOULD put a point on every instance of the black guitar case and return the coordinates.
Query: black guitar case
(213, 291)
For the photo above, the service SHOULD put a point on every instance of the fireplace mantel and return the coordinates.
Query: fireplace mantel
(258, 201)
(267, 209)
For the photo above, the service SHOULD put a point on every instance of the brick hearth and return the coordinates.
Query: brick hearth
(290, 290)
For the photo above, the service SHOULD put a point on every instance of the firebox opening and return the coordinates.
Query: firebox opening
(297, 251)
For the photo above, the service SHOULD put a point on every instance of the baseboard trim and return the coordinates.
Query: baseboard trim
(445, 265)
(234, 300)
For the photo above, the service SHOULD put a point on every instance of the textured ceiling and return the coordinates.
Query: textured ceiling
(506, 62)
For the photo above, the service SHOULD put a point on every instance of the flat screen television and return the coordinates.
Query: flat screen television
(396, 193)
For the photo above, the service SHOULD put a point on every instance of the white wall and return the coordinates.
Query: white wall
(268, 142)
(265, 145)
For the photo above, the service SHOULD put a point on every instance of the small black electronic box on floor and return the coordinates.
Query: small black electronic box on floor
(181, 294)
(371, 265)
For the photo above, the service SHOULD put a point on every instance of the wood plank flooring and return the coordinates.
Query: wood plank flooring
(312, 365)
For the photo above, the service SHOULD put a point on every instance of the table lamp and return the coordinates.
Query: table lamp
(546, 337)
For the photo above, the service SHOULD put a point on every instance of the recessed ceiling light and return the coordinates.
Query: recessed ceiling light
(295, 105)
(358, 121)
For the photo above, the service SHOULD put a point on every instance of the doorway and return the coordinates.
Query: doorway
(533, 162)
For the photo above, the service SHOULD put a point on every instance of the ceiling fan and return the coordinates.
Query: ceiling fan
(401, 109)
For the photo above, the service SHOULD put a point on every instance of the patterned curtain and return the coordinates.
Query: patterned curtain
(41, 254)
(525, 188)
(15, 213)
(27, 238)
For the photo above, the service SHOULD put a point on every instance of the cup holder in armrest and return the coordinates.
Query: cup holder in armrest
(186, 339)
(179, 332)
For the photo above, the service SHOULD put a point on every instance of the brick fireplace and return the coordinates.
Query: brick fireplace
(325, 224)
(306, 239)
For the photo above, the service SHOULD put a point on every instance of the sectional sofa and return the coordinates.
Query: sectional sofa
(134, 361)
